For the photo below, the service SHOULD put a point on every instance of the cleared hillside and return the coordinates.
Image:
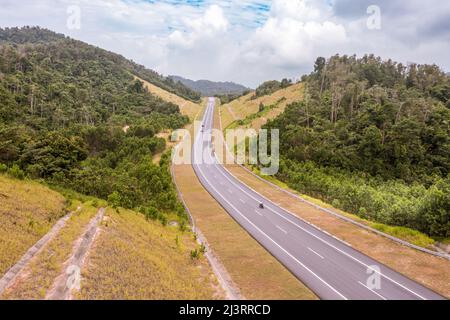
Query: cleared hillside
(27, 212)
(157, 261)
(187, 107)
(157, 258)
(245, 108)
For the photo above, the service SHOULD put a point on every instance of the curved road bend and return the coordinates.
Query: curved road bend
(329, 267)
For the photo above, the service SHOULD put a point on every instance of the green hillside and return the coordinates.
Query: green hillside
(24, 37)
(372, 137)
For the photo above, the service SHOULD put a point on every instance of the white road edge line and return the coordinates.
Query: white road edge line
(315, 253)
(262, 232)
(295, 216)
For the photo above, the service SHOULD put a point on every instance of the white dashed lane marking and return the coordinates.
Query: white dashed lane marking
(316, 253)
(282, 230)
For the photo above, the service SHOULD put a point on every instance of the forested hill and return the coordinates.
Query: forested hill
(379, 117)
(37, 36)
(372, 137)
(63, 109)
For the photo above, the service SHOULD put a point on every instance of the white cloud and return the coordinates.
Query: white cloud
(212, 21)
(293, 35)
(212, 24)
(304, 10)
(285, 44)
(248, 41)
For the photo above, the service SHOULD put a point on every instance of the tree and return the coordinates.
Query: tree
(63, 107)
(53, 153)
(114, 200)
(434, 212)
(137, 87)
(261, 107)
(319, 65)
(285, 83)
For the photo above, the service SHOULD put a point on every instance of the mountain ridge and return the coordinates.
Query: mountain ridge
(211, 88)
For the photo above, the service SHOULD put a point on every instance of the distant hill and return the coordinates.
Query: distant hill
(211, 88)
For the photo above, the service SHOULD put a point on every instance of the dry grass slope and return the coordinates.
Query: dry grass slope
(38, 277)
(243, 107)
(28, 210)
(136, 259)
(187, 108)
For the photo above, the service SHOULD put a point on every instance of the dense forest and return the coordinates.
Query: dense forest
(372, 137)
(74, 115)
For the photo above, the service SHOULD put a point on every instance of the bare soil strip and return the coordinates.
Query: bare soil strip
(60, 289)
(13, 272)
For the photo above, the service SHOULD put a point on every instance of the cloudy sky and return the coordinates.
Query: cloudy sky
(246, 41)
